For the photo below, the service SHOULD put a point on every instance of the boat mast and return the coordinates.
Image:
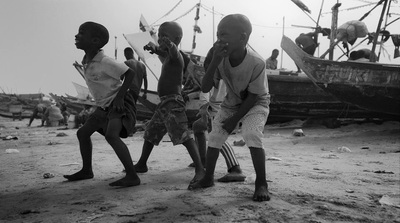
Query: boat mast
(335, 13)
(372, 57)
(115, 47)
(384, 28)
(196, 28)
(283, 34)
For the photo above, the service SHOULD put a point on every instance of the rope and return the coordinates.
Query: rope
(179, 16)
(168, 12)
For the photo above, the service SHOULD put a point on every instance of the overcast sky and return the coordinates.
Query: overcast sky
(37, 36)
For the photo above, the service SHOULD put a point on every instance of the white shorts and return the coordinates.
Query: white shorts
(253, 124)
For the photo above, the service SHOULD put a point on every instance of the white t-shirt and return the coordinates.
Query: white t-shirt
(249, 76)
(102, 75)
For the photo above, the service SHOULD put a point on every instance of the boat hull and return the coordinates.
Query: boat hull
(371, 86)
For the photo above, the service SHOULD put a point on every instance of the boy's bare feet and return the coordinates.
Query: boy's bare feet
(80, 175)
(141, 168)
(232, 177)
(198, 176)
(203, 183)
(126, 182)
(261, 193)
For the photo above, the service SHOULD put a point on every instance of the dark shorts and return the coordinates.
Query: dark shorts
(169, 117)
(100, 117)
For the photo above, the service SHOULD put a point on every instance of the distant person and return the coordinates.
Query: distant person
(307, 42)
(140, 74)
(65, 113)
(362, 55)
(53, 114)
(169, 116)
(38, 112)
(115, 115)
(272, 63)
(207, 112)
(246, 101)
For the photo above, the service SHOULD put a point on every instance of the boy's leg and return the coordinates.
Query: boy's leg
(217, 137)
(261, 187)
(208, 179)
(194, 154)
(234, 171)
(85, 146)
(252, 131)
(112, 136)
(199, 128)
(155, 131)
(34, 114)
(201, 142)
(141, 165)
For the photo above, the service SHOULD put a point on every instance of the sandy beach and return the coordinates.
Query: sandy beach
(346, 174)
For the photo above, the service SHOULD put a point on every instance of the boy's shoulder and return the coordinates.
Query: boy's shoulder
(254, 56)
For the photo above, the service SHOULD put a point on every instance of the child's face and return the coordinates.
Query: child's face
(83, 40)
(228, 34)
(162, 34)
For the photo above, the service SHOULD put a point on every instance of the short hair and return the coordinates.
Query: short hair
(129, 54)
(173, 28)
(97, 30)
(275, 50)
(128, 50)
(241, 22)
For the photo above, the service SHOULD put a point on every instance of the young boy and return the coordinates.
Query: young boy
(170, 113)
(114, 116)
(247, 99)
(207, 112)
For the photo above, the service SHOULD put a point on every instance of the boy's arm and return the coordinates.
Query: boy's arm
(118, 102)
(154, 49)
(219, 53)
(145, 84)
(172, 48)
(208, 80)
(230, 123)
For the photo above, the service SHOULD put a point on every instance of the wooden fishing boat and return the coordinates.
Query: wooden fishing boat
(368, 85)
(297, 97)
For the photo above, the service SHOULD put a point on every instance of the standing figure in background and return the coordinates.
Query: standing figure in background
(53, 114)
(307, 43)
(140, 74)
(272, 63)
(38, 111)
(65, 113)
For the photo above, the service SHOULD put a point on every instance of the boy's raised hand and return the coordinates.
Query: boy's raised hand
(151, 47)
(118, 104)
(220, 50)
(164, 41)
(229, 124)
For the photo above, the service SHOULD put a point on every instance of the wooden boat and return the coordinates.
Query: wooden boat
(297, 97)
(368, 85)
(17, 106)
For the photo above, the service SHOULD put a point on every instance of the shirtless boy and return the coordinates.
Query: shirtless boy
(247, 99)
(169, 116)
(115, 115)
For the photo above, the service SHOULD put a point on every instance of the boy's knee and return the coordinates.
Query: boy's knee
(198, 126)
(111, 137)
(253, 138)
